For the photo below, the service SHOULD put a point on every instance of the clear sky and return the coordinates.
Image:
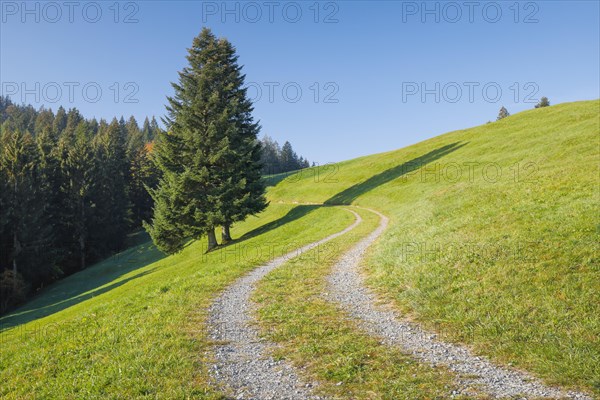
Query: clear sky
(337, 79)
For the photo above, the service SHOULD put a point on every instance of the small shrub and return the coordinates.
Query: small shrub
(544, 102)
(503, 113)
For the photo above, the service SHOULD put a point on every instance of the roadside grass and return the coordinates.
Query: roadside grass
(142, 334)
(321, 339)
(494, 236)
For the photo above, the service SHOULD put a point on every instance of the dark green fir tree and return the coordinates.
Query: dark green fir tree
(210, 157)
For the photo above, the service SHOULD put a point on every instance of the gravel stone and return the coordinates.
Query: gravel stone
(242, 361)
(346, 286)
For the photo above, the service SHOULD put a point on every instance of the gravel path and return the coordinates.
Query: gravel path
(243, 364)
(347, 287)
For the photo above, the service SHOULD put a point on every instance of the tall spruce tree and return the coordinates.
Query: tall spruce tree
(112, 209)
(271, 153)
(242, 189)
(60, 121)
(289, 158)
(78, 172)
(154, 129)
(44, 121)
(209, 158)
(74, 118)
(48, 246)
(146, 131)
(142, 174)
(20, 213)
(187, 155)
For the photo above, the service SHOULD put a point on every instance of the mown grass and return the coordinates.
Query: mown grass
(322, 340)
(132, 328)
(493, 238)
(508, 264)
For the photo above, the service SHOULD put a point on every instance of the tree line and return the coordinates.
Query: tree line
(277, 159)
(71, 190)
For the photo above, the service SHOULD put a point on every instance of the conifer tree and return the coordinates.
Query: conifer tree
(209, 159)
(44, 121)
(19, 211)
(142, 174)
(112, 210)
(48, 246)
(289, 158)
(503, 113)
(74, 118)
(60, 121)
(146, 131)
(270, 156)
(93, 126)
(77, 168)
(187, 195)
(241, 188)
(27, 171)
(131, 127)
(544, 102)
(154, 129)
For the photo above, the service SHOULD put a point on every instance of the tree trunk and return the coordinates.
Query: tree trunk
(225, 235)
(212, 239)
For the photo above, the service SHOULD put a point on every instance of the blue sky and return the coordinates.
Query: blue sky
(337, 79)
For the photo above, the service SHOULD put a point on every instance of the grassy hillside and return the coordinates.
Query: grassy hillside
(133, 325)
(324, 341)
(493, 241)
(494, 235)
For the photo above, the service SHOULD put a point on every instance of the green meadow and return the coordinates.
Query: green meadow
(494, 236)
(493, 242)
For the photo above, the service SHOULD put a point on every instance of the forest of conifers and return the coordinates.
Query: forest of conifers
(72, 189)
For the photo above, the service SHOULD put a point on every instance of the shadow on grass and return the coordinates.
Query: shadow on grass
(272, 180)
(347, 196)
(91, 282)
(292, 215)
(84, 285)
(97, 279)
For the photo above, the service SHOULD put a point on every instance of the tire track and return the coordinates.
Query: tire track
(243, 364)
(346, 286)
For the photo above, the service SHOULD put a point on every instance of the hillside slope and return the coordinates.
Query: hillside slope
(134, 325)
(493, 237)
(493, 241)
